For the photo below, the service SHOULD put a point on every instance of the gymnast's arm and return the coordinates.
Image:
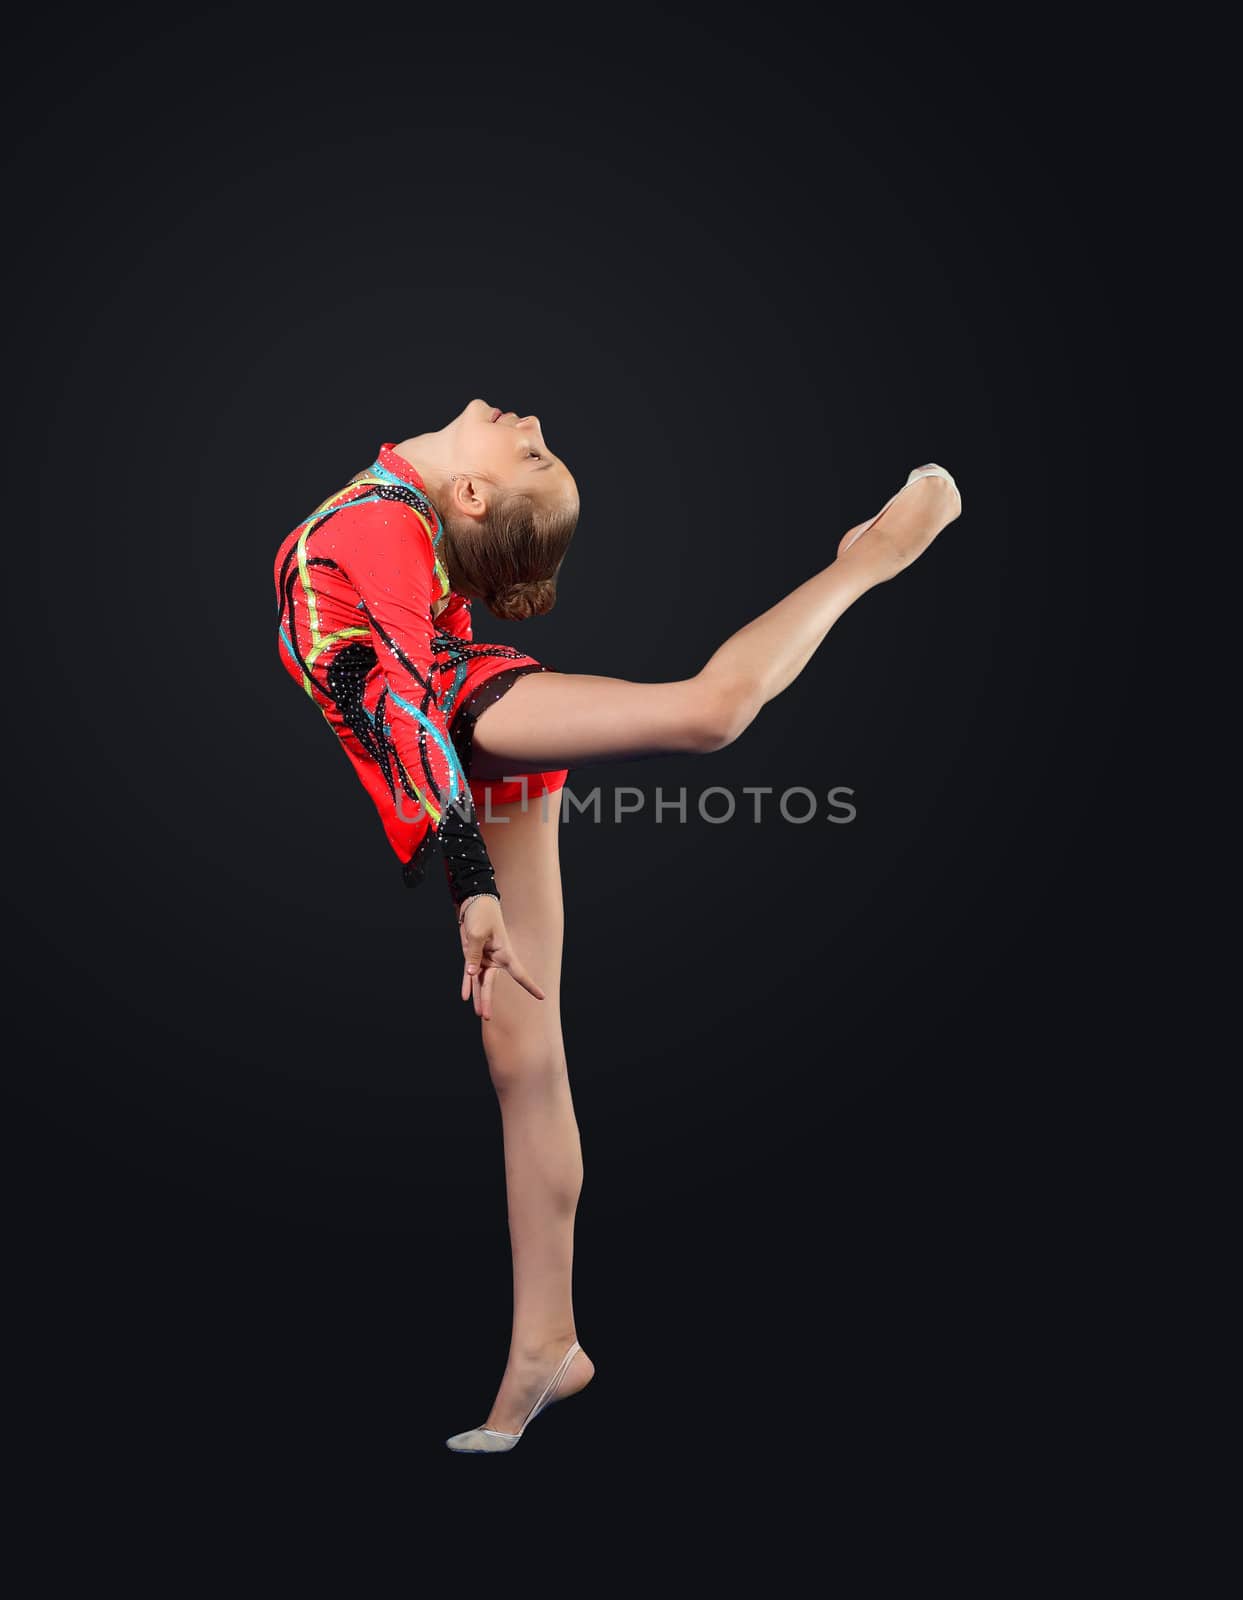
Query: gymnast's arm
(383, 547)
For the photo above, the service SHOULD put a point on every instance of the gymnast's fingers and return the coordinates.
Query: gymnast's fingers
(515, 969)
(486, 988)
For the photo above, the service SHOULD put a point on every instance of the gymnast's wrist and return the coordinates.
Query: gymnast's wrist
(478, 894)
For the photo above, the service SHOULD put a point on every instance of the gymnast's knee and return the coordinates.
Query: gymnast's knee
(718, 709)
(521, 1058)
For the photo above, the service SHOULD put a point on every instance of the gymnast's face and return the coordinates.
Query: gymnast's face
(510, 450)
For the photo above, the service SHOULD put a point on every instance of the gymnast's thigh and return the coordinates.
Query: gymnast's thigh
(553, 719)
(523, 844)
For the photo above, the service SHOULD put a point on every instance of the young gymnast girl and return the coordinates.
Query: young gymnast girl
(465, 748)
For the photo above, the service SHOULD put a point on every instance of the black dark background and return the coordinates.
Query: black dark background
(837, 1085)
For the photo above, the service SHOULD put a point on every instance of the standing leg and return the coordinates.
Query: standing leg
(527, 1063)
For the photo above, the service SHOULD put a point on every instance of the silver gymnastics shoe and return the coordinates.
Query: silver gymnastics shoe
(931, 470)
(480, 1441)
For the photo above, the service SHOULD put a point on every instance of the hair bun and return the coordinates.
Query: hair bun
(519, 601)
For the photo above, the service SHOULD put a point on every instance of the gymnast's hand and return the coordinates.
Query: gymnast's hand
(486, 948)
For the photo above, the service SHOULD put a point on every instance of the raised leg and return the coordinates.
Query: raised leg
(549, 720)
(543, 1153)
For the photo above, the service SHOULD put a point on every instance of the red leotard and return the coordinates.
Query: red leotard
(369, 626)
